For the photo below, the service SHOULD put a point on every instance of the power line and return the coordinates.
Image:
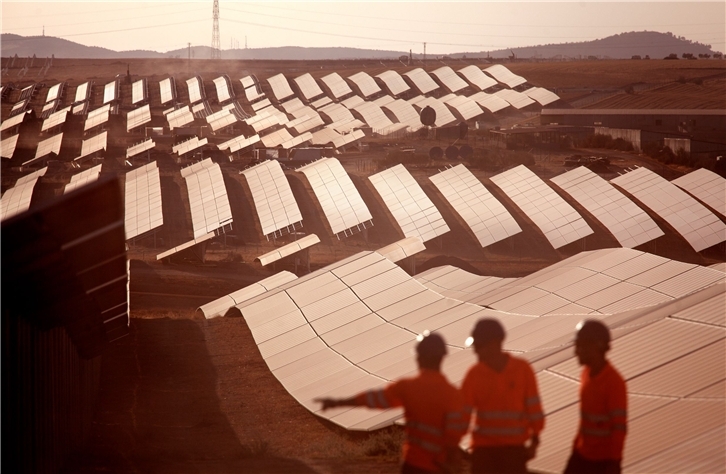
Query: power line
(133, 28)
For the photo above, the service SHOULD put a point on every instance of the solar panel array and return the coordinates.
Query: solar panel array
(47, 146)
(220, 306)
(195, 88)
(82, 92)
(97, 117)
(137, 117)
(83, 178)
(394, 82)
(134, 150)
(401, 249)
(444, 116)
(93, 145)
(699, 226)
(541, 95)
(308, 87)
(143, 200)
(188, 146)
(138, 91)
(337, 85)
(288, 249)
(421, 80)
(628, 223)
(490, 102)
(559, 222)
(55, 119)
(284, 139)
(706, 186)
(221, 119)
(275, 204)
(366, 84)
(53, 93)
(165, 90)
(515, 99)
(487, 218)
(450, 79)
(253, 91)
(342, 205)
(110, 92)
(179, 117)
(466, 108)
(604, 281)
(351, 326)
(186, 245)
(13, 121)
(412, 209)
(280, 87)
(17, 199)
(207, 197)
(7, 146)
(239, 143)
(223, 89)
(505, 76)
(405, 113)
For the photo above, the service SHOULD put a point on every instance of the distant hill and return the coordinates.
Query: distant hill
(621, 46)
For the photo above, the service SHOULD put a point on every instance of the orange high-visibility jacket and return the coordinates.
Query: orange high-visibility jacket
(433, 409)
(603, 415)
(507, 404)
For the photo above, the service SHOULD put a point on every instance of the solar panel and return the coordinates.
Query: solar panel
(464, 106)
(195, 88)
(340, 201)
(699, 226)
(266, 119)
(188, 145)
(48, 146)
(7, 146)
(365, 83)
(253, 91)
(143, 200)
(559, 222)
(352, 102)
(377, 119)
(321, 102)
(336, 112)
(57, 118)
(93, 144)
(541, 95)
(280, 87)
(185, 246)
(491, 102)
(443, 114)
(48, 109)
(404, 248)
(137, 117)
(110, 92)
(308, 87)
(515, 99)
(207, 197)
(275, 204)
(505, 76)
(13, 121)
(53, 93)
(476, 77)
(223, 89)
(221, 119)
(239, 143)
(487, 218)
(19, 106)
(394, 82)
(450, 79)
(165, 91)
(284, 139)
(180, 117)
(337, 85)
(412, 209)
(83, 178)
(220, 306)
(706, 186)
(288, 249)
(138, 91)
(328, 135)
(83, 91)
(139, 148)
(421, 80)
(630, 225)
(97, 117)
(17, 199)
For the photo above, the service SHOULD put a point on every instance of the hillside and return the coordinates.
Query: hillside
(622, 46)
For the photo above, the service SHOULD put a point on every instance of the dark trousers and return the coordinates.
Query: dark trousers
(579, 465)
(410, 469)
(499, 460)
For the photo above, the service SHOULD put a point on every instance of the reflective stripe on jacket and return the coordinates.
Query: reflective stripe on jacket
(603, 415)
(507, 406)
(433, 410)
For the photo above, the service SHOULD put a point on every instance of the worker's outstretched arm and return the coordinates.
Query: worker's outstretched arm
(337, 402)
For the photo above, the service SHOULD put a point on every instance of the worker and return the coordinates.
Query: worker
(432, 407)
(501, 391)
(598, 446)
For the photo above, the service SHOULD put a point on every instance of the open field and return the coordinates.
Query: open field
(182, 394)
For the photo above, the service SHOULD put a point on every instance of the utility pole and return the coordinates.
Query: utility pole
(424, 53)
(216, 47)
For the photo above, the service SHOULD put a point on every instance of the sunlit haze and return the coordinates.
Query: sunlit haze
(401, 26)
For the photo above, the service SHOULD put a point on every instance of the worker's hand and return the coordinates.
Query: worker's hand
(327, 402)
(532, 448)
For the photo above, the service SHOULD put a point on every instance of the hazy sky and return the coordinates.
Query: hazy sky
(445, 27)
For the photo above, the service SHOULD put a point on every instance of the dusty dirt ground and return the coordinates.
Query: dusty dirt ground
(182, 394)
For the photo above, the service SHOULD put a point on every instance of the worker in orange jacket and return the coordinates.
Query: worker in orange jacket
(433, 409)
(502, 392)
(598, 447)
